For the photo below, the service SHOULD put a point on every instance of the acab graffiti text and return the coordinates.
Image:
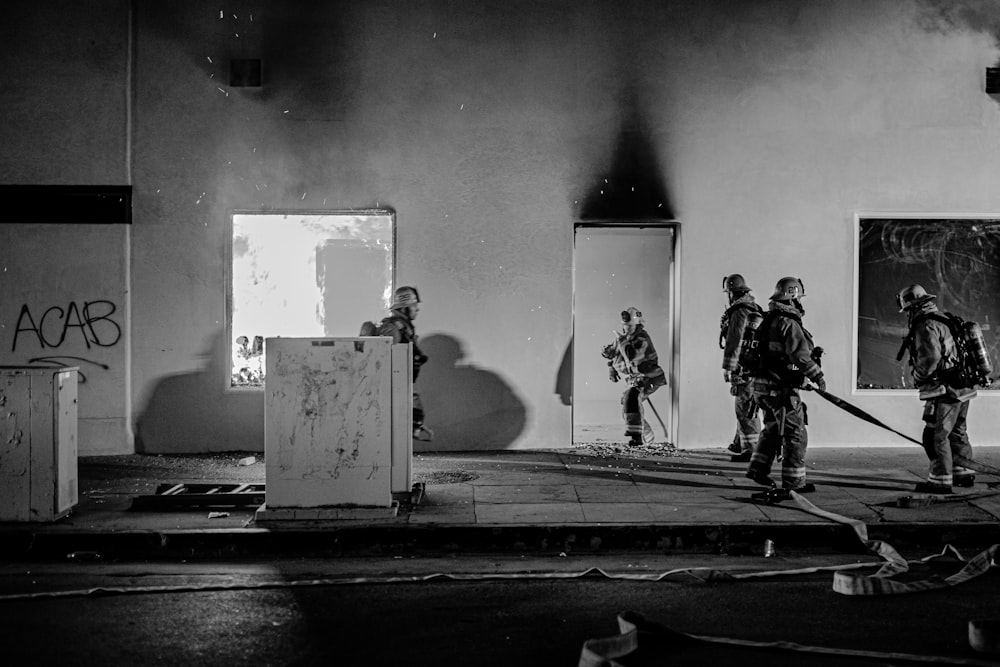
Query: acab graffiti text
(56, 325)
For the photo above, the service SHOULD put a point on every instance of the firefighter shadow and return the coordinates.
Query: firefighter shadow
(189, 412)
(468, 408)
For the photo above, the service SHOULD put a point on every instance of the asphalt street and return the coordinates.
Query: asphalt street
(508, 611)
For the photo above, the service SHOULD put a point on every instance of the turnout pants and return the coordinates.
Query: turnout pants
(747, 421)
(945, 438)
(784, 431)
(418, 411)
(632, 409)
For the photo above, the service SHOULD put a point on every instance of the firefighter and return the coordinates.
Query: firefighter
(936, 373)
(742, 313)
(632, 356)
(787, 358)
(399, 325)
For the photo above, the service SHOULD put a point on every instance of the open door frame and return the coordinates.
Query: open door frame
(669, 349)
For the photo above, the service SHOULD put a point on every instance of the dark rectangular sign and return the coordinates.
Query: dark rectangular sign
(66, 204)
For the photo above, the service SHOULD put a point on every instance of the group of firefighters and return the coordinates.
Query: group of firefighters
(770, 415)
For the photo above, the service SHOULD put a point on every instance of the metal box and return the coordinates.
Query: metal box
(337, 422)
(38, 443)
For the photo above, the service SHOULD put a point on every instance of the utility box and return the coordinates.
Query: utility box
(337, 424)
(38, 443)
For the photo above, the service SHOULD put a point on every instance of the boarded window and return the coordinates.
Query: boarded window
(955, 258)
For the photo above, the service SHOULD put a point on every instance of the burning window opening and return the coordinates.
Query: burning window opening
(304, 275)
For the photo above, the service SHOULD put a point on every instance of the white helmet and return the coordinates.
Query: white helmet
(912, 295)
(403, 297)
(632, 316)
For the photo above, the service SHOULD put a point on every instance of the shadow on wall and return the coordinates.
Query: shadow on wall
(192, 412)
(467, 408)
(564, 377)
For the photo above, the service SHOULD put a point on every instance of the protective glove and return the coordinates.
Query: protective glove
(820, 383)
(636, 380)
(608, 351)
(817, 354)
(613, 374)
(727, 376)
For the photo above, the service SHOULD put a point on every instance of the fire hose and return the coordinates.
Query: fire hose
(861, 414)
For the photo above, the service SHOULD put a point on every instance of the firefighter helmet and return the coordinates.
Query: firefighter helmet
(735, 283)
(912, 295)
(788, 289)
(631, 316)
(404, 297)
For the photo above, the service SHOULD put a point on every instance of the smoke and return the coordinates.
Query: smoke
(944, 16)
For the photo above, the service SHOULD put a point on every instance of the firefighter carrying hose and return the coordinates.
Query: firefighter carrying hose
(633, 357)
(743, 313)
(946, 394)
(399, 326)
(787, 358)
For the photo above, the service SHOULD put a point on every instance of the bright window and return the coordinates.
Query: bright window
(304, 275)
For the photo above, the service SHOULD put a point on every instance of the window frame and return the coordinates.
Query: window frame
(227, 366)
(859, 218)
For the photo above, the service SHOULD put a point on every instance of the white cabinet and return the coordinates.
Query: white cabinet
(38, 443)
(337, 422)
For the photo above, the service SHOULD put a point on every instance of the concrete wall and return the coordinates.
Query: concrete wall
(489, 127)
(64, 296)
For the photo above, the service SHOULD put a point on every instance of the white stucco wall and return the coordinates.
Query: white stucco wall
(485, 126)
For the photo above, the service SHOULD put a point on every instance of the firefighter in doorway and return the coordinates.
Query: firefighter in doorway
(787, 358)
(743, 314)
(633, 357)
(399, 326)
(937, 374)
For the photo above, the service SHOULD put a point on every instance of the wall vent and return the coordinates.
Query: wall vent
(993, 80)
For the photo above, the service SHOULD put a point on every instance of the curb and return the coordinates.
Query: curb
(326, 541)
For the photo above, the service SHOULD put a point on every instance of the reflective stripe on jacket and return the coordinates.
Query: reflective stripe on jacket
(932, 355)
(734, 321)
(788, 356)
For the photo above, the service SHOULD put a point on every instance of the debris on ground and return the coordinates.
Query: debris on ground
(446, 477)
(217, 515)
(248, 461)
(613, 450)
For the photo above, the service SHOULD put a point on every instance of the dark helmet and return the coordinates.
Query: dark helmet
(788, 289)
(403, 297)
(735, 283)
(911, 296)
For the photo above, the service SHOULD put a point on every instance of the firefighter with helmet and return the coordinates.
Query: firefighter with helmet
(399, 326)
(787, 359)
(934, 366)
(742, 313)
(633, 357)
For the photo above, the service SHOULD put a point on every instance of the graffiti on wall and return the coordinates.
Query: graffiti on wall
(90, 323)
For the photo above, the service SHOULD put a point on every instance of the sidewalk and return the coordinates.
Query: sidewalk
(586, 499)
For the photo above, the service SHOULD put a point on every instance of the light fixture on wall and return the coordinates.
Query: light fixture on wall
(245, 73)
(993, 80)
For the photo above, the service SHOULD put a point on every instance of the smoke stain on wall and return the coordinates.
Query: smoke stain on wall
(632, 186)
